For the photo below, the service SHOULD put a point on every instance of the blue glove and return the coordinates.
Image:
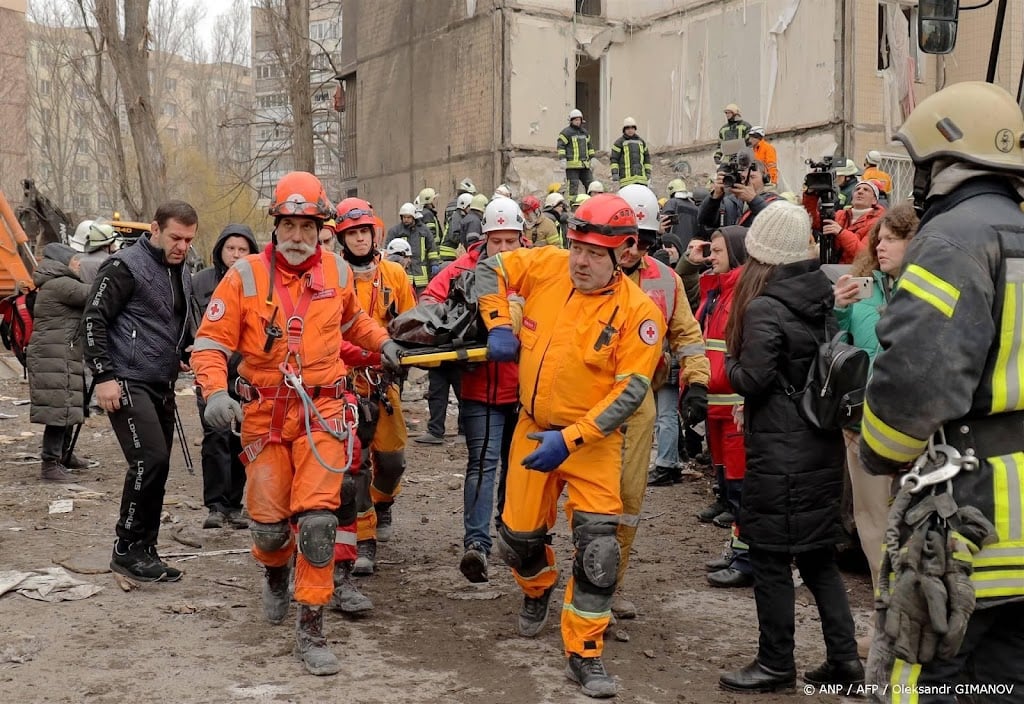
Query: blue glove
(502, 344)
(434, 268)
(551, 453)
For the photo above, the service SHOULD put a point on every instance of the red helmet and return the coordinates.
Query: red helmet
(530, 204)
(354, 212)
(604, 220)
(301, 193)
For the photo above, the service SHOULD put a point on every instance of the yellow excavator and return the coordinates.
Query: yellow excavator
(17, 262)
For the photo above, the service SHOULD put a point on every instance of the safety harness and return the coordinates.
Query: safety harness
(292, 386)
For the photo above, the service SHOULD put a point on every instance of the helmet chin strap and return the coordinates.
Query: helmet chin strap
(922, 185)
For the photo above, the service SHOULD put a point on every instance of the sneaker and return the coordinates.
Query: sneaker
(216, 519)
(659, 476)
(54, 471)
(534, 613)
(474, 565)
(76, 462)
(140, 565)
(590, 674)
(384, 528)
(173, 574)
(428, 439)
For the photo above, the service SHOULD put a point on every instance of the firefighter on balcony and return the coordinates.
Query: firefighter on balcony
(384, 292)
(630, 158)
(588, 346)
(286, 312)
(683, 355)
(575, 150)
(950, 364)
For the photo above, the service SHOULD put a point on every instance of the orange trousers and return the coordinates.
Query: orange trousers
(591, 474)
(286, 479)
(382, 461)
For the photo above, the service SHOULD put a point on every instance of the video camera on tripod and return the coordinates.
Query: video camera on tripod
(821, 181)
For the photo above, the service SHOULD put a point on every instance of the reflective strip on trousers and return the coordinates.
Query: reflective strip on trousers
(903, 682)
(999, 568)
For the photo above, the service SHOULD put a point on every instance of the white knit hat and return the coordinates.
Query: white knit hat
(781, 234)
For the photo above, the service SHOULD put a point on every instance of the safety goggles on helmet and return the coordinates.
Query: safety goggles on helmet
(354, 214)
(298, 207)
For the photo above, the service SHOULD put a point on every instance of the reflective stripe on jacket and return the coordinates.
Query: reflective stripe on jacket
(573, 145)
(630, 161)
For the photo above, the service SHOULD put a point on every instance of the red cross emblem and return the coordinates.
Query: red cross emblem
(216, 310)
(649, 332)
(501, 220)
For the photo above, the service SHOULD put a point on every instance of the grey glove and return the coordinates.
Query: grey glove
(390, 357)
(222, 410)
(916, 615)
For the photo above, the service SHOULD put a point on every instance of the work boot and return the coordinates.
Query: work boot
(755, 677)
(76, 462)
(534, 613)
(428, 439)
(843, 672)
(590, 675)
(474, 564)
(346, 597)
(660, 476)
(730, 578)
(237, 519)
(623, 607)
(384, 527)
(135, 561)
(215, 519)
(275, 593)
(54, 471)
(725, 519)
(715, 509)
(310, 643)
(366, 558)
(722, 561)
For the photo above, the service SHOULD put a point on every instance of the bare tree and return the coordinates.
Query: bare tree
(129, 55)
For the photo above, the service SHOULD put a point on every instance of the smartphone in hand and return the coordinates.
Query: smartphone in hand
(865, 286)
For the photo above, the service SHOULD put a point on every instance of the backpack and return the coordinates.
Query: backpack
(832, 397)
(16, 313)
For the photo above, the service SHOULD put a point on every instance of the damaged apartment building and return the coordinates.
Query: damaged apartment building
(437, 91)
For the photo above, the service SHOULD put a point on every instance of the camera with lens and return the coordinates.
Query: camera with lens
(735, 165)
(821, 181)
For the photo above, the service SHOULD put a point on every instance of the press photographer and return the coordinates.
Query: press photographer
(738, 194)
(841, 233)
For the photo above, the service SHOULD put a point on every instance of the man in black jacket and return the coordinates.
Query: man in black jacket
(739, 204)
(223, 471)
(136, 330)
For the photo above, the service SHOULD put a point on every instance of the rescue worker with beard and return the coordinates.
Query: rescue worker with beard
(286, 312)
(950, 362)
(683, 355)
(384, 292)
(588, 346)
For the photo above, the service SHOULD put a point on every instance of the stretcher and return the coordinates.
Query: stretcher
(434, 358)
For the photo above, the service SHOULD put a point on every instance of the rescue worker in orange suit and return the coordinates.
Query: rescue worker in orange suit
(682, 348)
(950, 361)
(490, 396)
(588, 346)
(286, 312)
(384, 291)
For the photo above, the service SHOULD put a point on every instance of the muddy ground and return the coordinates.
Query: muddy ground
(432, 637)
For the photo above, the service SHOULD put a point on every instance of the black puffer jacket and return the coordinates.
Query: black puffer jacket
(56, 376)
(794, 479)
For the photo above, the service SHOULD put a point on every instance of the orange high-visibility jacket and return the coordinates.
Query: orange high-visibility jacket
(587, 359)
(239, 315)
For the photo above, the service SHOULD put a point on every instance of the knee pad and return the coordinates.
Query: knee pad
(523, 551)
(346, 511)
(316, 537)
(390, 466)
(269, 537)
(597, 552)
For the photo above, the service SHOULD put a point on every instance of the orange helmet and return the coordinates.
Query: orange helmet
(301, 193)
(604, 220)
(355, 212)
(530, 204)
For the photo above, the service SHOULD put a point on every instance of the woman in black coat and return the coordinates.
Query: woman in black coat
(794, 480)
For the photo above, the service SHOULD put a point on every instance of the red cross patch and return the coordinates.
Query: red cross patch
(649, 332)
(501, 220)
(216, 310)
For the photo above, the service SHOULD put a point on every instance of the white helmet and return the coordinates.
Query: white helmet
(628, 122)
(407, 209)
(466, 186)
(502, 191)
(574, 113)
(644, 204)
(502, 214)
(100, 235)
(874, 157)
(595, 187)
(553, 199)
(426, 196)
(81, 237)
(400, 245)
(463, 201)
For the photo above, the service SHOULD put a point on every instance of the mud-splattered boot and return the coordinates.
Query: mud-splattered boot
(275, 594)
(310, 643)
(366, 561)
(346, 597)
